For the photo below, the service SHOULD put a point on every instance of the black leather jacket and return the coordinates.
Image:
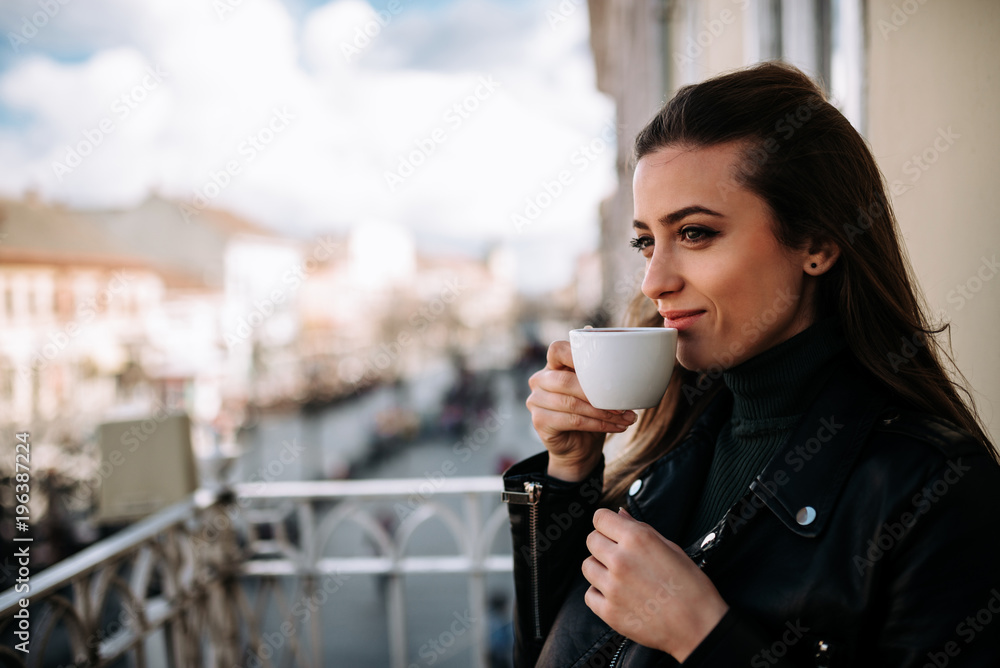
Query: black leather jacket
(871, 539)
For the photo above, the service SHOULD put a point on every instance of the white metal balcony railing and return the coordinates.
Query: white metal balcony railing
(206, 582)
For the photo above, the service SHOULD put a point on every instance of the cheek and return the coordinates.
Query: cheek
(749, 283)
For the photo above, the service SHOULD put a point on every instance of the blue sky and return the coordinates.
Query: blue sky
(453, 119)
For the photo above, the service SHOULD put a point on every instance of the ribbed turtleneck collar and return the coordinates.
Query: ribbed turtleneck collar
(780, 381)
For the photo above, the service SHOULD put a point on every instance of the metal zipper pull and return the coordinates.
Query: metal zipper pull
(528, 497)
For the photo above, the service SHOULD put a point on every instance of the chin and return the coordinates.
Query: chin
(691, 362)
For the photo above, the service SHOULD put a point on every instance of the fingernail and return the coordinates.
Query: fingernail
(622, 511)
(630, 417)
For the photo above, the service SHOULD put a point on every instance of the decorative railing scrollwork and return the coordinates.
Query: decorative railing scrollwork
(211, 581)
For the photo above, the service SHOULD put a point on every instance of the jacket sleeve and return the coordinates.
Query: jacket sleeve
(939, 581)
(549, 543)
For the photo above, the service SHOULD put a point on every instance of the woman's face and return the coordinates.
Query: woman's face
(713, 265)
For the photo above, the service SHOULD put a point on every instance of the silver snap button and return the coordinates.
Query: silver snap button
(806, 515)
(636, 486)
(708, 539)
(823, 655)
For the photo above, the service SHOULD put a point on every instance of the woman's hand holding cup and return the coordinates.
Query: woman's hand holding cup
(571, 429)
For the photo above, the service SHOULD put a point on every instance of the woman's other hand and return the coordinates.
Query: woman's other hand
(570, 428)
(647, 588)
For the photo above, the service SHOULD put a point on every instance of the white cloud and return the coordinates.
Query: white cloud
(352, 117)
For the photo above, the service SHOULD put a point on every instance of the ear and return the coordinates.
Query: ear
(821, 257)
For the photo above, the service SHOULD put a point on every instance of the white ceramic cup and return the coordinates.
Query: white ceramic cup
(624, 368)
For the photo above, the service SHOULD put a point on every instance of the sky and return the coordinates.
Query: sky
(468, 123)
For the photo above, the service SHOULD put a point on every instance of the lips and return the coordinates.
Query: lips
(681, 320)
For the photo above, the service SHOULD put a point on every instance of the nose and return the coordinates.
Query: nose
(662, 277)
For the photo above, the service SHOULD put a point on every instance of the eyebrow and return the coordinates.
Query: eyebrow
(677, 216)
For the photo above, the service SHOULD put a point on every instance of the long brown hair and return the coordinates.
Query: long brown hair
(817, 174)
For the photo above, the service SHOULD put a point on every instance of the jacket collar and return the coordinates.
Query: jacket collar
(803, 481)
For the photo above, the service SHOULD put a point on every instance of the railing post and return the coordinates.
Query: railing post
(477, 583)
(397, 616)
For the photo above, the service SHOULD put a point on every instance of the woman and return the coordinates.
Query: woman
(812, 490)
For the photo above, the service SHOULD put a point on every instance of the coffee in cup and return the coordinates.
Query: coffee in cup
(624, 368)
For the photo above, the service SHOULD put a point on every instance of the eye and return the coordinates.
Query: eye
(641, 243)
(694, 233)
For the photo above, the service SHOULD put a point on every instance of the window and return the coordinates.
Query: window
(824, 38)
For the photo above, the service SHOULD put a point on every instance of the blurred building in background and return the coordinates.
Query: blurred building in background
(117, 314)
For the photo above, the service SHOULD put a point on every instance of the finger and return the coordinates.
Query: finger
(601, 547)
(559, 356)
(561, 381)
(596, 601)
(567, 395)
(595, 573)
(553, 423)
(567, 403)
(616, 527)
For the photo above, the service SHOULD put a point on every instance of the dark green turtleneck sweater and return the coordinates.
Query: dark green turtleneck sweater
(771, 391)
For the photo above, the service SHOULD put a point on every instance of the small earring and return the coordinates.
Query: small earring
(813, 265)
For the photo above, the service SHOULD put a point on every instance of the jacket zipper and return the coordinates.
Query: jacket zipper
(530, 497)
(618, 653)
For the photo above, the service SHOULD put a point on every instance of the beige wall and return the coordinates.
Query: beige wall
(939, 71)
